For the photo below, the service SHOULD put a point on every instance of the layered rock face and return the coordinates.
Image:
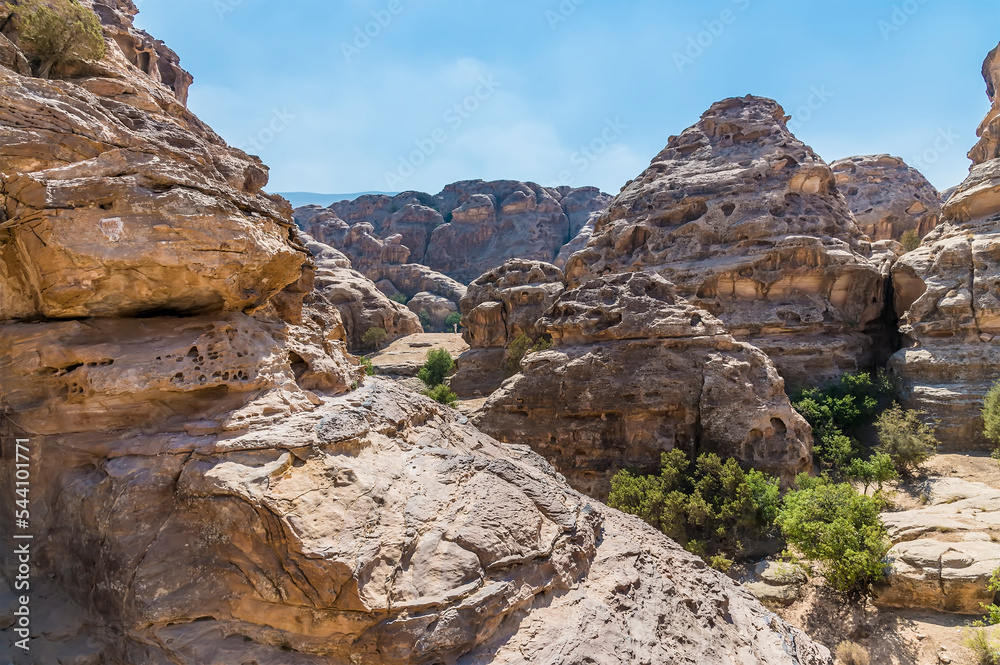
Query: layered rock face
(748, 223)
(948, 298)
(637, 371)
(888, 198)
(207, 486)
(500, 306)
(468, 229)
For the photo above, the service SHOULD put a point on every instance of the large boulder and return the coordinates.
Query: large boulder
(747, 222)
(888, 198)
(947, 295)
(637, 371)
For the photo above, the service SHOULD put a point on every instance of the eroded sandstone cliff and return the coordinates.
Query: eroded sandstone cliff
(948, 297)
(748, 223)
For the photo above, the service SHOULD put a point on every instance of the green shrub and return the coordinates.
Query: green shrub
(438, 366)
(852, 653)
(374, 338)
(425, 320)
(838, 528)
(400, 298)
(837, 413)
(877, 470)
(985, 646)
(58, 31)
(709, 510)
(991, 414)
(367, 364)
(905, 438)
(910, 240)
(520, 347)
(443, 394)
(453, 320)
(993, 610)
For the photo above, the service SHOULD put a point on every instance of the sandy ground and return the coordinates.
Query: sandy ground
(896, 637)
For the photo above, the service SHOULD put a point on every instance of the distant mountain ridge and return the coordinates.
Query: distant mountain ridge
(299, 199)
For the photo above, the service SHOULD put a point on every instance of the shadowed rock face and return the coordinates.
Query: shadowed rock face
(637, 371)
(887, 197)
(219, 484)
(948, 298)
(468, 229)
(747, 222)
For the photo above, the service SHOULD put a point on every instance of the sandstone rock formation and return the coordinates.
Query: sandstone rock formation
(888, 198)
(500, 306)
(208, 488)
(944, 554)
(358, 303)
(405, 357)
(748, 223)
(438, 308)
(468, 229)
(637, 371)
(948, 298)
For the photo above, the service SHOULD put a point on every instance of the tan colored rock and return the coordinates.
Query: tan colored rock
(637, 371)
(747, 221)
(438, 308)
(948, 300)
(406, 356)
(888, 198)
(468, 229)
(777, 583)
(498, 307)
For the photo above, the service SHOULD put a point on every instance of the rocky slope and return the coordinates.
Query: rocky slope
(888, 198)
(948, 297)
(637, 371)
(747, 222)
(208, 486)
(468, 229)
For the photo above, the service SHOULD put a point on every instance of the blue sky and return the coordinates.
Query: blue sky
(581, 92)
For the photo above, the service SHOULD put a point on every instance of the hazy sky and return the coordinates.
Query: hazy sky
(342, 96)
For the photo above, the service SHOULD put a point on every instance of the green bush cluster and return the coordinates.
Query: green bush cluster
(57, 31)
(374, 338)
(367, 364)
(425, 320)
(910, 240)
(838, 412)
(520, 347)
(710, 509)
(985, 646)
(400, 298)
(991, 414)
(437, 368)
(716, 508)
(905, 439)
(842, 530)
(453, 320)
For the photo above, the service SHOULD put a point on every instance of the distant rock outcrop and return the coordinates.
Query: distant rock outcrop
(948, 297)
(888, 198)
(637, 371)
(468, 229)
(747, 222)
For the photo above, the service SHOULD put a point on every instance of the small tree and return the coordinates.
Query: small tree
(905, 438)
(442, 394)
(877, 471)
(400, 298)
(438, 366)
(425, 320)
(374, 338)
(991, 414)
(58, 31)
(840, 529)
(910, 240)
(451, 323)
